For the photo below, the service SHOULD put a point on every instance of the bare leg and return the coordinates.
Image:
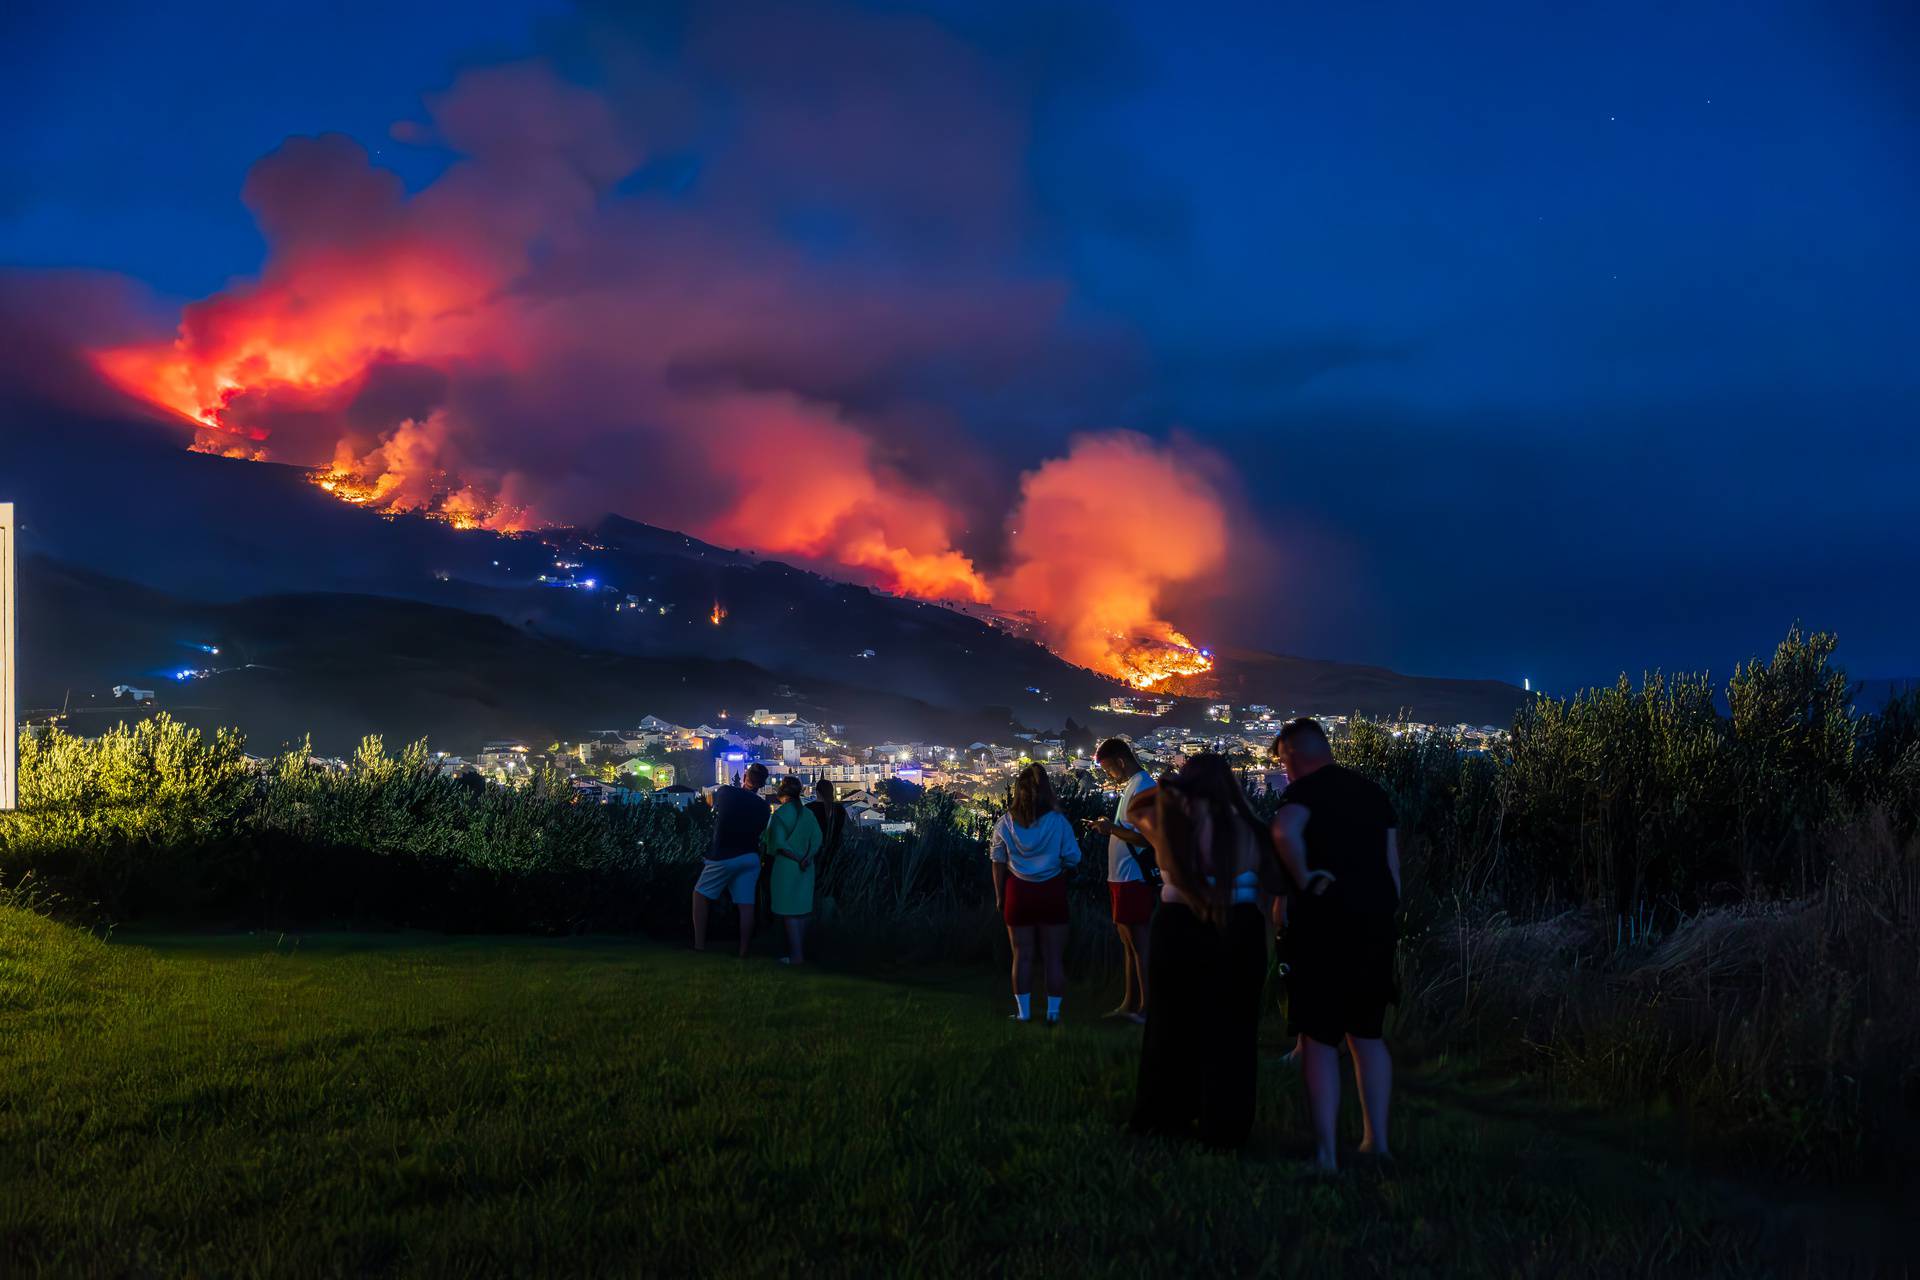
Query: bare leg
(1021, 936)
(1131, 979)
(797, 939)
(700, 908)
(1053, 943)
(746, 928)
(1373, 1076)
(1321, 1067)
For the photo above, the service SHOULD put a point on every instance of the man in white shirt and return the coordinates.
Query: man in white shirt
(1129, 888)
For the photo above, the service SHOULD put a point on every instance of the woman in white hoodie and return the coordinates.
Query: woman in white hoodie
(1033, 845)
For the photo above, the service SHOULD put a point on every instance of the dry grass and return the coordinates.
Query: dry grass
(1787, 1029)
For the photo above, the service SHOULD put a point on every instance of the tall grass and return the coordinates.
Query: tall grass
(1644, 898)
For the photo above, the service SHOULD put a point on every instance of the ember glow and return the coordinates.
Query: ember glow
(1099, 538)
(513, 347)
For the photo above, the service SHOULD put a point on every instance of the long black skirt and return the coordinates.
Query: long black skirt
(1199, 1058)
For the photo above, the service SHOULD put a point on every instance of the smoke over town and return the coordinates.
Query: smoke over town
(573, 318)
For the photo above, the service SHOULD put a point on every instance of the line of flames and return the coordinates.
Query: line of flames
(1146, 663)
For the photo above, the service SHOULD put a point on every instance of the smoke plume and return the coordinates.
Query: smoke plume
(552, 330)
(1098, 540)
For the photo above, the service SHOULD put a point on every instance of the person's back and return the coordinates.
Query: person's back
(1032, 847)
(739, 818)
(832, 817)
(1199, 1059)
(1036, 853)
(1335, 833)
(1349, 816)
(731, 868)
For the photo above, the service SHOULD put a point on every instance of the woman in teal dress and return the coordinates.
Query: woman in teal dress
(792, 840)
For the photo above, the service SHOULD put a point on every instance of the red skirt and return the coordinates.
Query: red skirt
(1034, 902)
(1133, 901)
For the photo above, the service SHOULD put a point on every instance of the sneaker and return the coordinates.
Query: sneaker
(1014, 1017)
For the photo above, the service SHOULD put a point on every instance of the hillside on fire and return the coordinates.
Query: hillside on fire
(553, 623)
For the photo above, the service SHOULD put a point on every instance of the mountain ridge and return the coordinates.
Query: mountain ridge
(212, 532)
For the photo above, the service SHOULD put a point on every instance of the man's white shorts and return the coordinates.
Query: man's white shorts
(735, 876)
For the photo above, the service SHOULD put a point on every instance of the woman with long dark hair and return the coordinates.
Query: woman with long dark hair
(1199, 1057)
(1032, 848)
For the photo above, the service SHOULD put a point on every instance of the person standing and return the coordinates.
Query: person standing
(792, 841)
(1199, 1058)
(1335, 832)
(732, 864)
(1032, 848)
(1130, 893)
(832, 817)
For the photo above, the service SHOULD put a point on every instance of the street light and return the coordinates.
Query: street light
(9, 711)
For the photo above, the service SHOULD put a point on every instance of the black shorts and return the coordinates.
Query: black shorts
(1340, 981)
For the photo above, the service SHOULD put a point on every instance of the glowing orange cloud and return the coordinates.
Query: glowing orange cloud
(1099, 539)
(512, 347)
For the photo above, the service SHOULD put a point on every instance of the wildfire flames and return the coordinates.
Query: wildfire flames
(1098, 539)
(1145, 664)
(719, 614)
(510, 348)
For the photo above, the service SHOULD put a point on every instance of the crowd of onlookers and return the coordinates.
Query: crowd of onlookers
(1199, 888)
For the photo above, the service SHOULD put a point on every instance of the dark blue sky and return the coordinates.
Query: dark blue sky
(1547, 340)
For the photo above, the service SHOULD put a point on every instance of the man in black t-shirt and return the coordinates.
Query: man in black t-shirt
(732, 865)
(1335, 831)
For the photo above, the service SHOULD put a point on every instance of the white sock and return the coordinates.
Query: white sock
(1053, 1008)
(1025, 1005)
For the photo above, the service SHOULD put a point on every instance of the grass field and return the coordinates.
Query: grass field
(349, 1103)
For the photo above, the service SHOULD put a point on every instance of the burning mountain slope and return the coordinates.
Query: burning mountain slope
(211, 532)
(526, 343)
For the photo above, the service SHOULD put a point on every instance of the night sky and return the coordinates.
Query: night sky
(1541, 341)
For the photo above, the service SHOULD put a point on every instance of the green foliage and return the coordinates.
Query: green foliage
(157, 820)
(1626, 795)
(153, 799)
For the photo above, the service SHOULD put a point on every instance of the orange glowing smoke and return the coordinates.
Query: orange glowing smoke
(1099, 539)
(840, 505)
(512, 347)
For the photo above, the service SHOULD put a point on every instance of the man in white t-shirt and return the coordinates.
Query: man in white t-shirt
(1129, 888)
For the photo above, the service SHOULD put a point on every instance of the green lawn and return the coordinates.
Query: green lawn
(350, 1103)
